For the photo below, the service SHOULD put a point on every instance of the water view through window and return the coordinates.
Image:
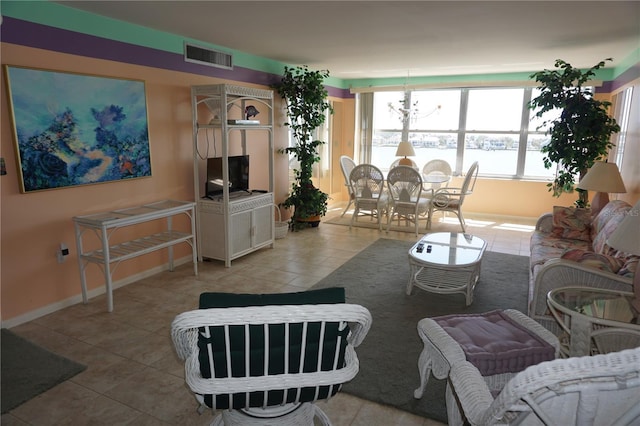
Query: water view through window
(490, 125)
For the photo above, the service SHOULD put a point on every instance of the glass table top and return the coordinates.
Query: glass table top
(448, 248)
(602, 304)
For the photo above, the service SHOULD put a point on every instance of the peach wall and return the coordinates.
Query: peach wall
(33, 224)
(514, 198)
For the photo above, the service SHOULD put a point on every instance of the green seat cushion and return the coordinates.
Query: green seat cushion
(237, 300)
(212, 346)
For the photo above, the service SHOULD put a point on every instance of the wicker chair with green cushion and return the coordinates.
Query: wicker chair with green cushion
(301, 348)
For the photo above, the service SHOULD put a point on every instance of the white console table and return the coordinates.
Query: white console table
(104, 224)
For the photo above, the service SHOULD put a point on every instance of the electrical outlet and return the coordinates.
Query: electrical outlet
(62, 252)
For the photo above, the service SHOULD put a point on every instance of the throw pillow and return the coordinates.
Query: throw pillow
(594, 260)
(573, 223)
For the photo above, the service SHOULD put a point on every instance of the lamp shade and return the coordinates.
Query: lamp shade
(626, 237)
(603, 177)
(405, 149)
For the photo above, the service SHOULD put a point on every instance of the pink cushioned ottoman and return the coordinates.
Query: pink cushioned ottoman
(499, 343)
(494, 343)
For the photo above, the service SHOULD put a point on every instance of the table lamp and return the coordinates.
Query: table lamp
(405, 149)
(602, 177)
(626, 238)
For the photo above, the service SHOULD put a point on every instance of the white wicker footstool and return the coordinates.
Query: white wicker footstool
(499, 343)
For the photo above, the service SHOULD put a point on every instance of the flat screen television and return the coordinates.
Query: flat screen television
(238, 174)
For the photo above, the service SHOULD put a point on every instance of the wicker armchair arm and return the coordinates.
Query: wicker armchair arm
(545, 223)
(472, 392)
(449, 190)
(557, 273)
(230, 385)
(444, 349)
(443, 197)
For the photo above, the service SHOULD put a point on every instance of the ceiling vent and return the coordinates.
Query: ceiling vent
(213, 58)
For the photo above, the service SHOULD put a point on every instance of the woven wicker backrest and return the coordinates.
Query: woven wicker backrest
(437, 166)
(255, 350)
(347, 165)
(367, 181)
(405, 184)
(469, 183)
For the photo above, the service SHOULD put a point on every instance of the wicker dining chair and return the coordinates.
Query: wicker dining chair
(451, 199)
(405, 196)
(347, 165)
(435, 174)
(590, 390)
(265, 359)
(367, 182)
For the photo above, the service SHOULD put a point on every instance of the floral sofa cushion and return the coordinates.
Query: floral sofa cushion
(571, 223)
(545, 247)
(594, 260)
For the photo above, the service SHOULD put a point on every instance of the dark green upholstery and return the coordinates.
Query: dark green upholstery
(311, 297)
(333, 336)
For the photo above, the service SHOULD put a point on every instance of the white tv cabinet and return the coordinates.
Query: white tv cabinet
(250, 222)
(105, 224)
(232, 224)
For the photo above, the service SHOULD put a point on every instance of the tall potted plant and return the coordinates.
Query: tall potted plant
(581, 133)
(307, 103)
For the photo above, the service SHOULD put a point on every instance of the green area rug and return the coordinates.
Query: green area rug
(376, 278)
(29, 369)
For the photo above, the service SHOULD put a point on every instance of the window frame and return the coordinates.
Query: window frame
(522, 134)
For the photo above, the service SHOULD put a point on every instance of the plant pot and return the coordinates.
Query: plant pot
(313, 221)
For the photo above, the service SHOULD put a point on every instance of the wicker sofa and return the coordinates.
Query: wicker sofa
(569, 248)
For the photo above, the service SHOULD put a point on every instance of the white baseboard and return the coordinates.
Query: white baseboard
(46, 310)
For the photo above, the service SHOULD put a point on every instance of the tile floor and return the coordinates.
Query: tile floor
(133, 376)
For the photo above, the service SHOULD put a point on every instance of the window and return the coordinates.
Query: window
(621, 111)
(493, 126)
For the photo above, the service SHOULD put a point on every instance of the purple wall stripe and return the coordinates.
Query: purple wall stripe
(27, 33)
(626, 77)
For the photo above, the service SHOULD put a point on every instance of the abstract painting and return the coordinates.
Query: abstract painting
(75, 129)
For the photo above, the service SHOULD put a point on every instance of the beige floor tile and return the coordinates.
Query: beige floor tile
(342, 409)
(380, 415)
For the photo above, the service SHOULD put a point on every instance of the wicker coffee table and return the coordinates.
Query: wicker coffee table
(446, 263)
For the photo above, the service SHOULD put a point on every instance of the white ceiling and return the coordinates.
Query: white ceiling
(382, 39)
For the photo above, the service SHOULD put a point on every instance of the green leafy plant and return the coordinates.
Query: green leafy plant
(581, 134)
(307, 103)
